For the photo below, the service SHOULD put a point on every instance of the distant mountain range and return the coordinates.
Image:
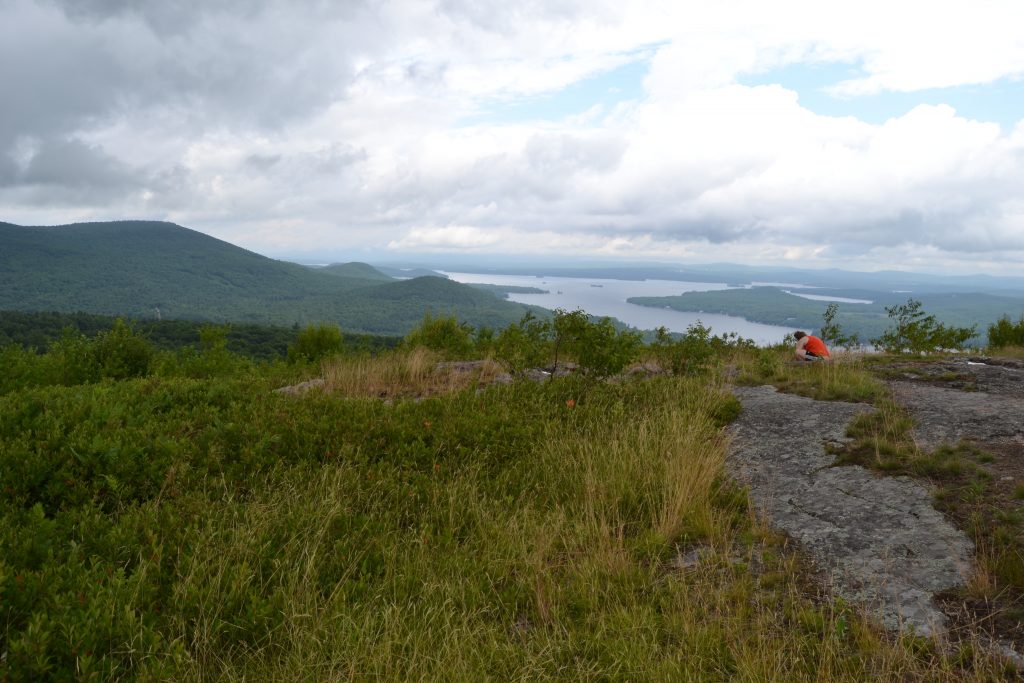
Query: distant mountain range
(148, 269)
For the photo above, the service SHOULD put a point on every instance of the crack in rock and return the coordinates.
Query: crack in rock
(879, 538)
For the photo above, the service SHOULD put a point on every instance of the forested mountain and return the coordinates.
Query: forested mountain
(355, 269)
(147, 269)
(406, 273)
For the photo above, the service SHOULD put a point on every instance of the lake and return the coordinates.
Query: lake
(608, 298)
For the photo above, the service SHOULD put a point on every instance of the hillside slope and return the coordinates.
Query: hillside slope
(355, 269)
(149, 269)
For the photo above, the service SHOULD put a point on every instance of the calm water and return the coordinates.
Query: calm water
(608, 297)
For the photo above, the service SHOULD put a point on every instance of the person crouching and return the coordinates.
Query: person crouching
(809, 347)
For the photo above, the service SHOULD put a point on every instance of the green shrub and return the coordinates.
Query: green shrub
(832, 333)
(602, 351)
(598, 348)
(72, 359)
(213, 359)
(23, 368)
(446, 335)
(524, 345)
(916, 332)
(697, 351)
(121, 352)
(316, 342)
(689, 354)
(484, 340)
(75, 359)
(1004, 333)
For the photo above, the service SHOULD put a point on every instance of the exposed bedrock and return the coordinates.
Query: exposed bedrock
(878, 538)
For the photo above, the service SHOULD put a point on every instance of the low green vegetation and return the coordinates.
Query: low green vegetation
(38, 331)
(167, 515)
(316, 342)
(696, 352)
(842, 379)
(1006, 333)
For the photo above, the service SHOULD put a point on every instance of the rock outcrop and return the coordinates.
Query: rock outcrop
(878, 538)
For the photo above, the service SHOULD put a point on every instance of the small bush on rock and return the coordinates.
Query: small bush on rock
(916, 332)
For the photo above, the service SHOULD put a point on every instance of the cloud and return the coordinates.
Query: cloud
(67, 172)
(291, 127)
(72, 163)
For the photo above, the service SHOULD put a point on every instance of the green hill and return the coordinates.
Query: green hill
(147, 269)
(409, 299)
(356, 270)
(773, 306)
(406, 273)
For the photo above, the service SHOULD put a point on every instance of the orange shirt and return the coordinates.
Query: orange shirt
(816, 346)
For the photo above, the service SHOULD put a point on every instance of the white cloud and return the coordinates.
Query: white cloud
(288, 127)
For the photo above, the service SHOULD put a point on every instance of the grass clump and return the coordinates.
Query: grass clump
(844, 378)
(1016, 352)
(416, 372)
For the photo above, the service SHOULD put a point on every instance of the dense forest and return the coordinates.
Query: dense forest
(40, 330)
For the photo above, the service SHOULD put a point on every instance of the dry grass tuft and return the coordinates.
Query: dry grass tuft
(1008, 352)
(405, 374)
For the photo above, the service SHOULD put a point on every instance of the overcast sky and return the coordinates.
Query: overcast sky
(861, 135)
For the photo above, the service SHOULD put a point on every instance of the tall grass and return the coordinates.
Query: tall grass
(554, 565)
(415, 372)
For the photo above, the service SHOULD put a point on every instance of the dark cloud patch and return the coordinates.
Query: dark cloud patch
(711, 229)
(68, 172)
(167, 17)
(74, 164)
(54, 80)
(172, 189)
(8, 170)
(227, 63)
